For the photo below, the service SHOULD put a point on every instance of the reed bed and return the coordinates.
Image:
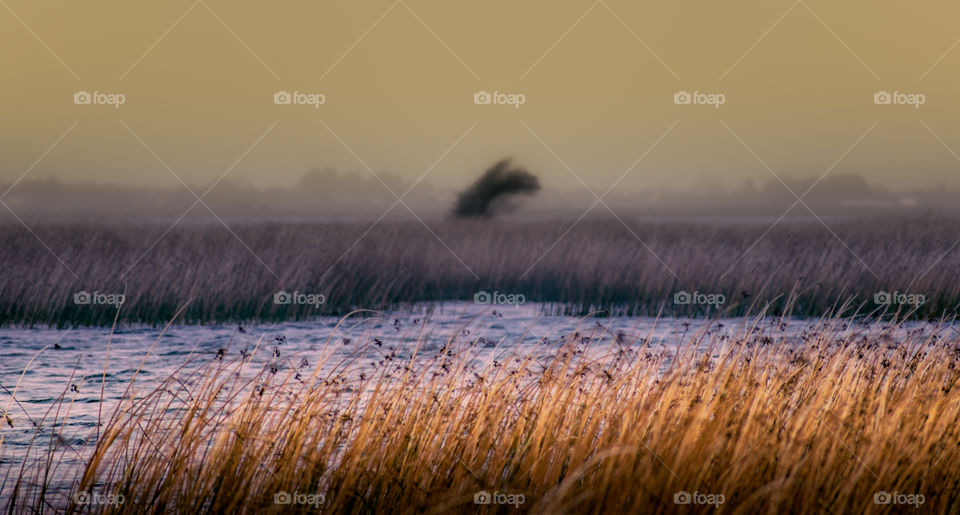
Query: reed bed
(229, 275)
(603, 424)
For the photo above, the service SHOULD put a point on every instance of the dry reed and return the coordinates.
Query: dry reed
(603, 425)
(598, 264)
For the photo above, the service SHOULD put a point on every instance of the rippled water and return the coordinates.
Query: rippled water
(44, 364)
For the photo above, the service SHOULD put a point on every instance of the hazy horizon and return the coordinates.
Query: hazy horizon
(598, 81)
(322, 194)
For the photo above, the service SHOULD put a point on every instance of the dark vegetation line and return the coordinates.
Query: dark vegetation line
(599, 264)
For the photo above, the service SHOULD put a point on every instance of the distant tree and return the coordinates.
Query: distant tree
(490, 194)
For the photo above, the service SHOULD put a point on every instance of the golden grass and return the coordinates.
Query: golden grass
(606, 426)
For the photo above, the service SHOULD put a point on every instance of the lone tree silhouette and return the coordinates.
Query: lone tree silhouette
(489, 194)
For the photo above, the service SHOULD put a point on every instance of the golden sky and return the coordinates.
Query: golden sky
(598, 79)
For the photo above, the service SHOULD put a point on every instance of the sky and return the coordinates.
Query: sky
(780, 91)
